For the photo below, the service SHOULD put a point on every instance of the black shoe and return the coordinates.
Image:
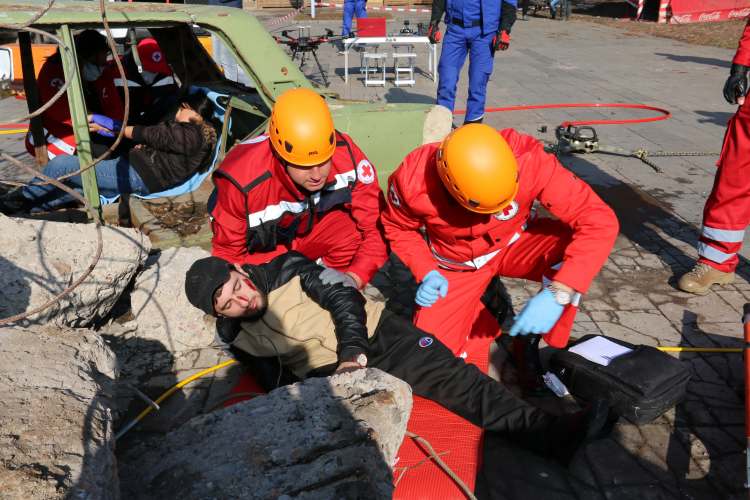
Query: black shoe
(14, 202)
(478, 120)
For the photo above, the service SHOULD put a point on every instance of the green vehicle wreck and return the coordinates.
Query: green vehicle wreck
(386, 132)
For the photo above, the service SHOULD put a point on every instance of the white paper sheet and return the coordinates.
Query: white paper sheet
(599, 350)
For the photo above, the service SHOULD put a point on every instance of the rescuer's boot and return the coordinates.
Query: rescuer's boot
(700, 279)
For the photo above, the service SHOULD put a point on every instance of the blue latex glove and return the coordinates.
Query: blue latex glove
(433, 286)
(538, 316)
(108, 123)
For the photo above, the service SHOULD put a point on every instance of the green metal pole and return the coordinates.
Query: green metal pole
(79, 119)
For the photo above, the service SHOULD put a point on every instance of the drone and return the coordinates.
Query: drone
(304, 44)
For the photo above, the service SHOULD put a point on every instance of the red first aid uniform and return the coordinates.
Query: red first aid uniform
(429, 231)
(257, 211)
(58, 127)
(727, 211)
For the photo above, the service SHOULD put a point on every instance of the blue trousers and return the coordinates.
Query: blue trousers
(459, 42)
(352, 8)
(114, 176)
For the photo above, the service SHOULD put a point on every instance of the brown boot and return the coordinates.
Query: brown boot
(701, 277)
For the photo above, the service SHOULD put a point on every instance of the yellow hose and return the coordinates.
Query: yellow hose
(700, 349)
(172, 390)
(14, 131)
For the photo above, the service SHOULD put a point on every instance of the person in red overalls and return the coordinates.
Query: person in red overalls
(303, 186)
(461, 212)
(150, 83)
(92, 51)
(727, 210)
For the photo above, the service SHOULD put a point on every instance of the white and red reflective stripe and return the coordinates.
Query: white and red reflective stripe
(30, 141)
(707, 251)
(639, 11)
(342, 180)
(62, 146)
(274, 212)
(255, 140)
(167, 80)
(130, 83)
(663, 11)
(475, 263)
(724, 235)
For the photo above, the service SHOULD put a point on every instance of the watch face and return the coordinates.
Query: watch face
(362, 360)
(563, 298)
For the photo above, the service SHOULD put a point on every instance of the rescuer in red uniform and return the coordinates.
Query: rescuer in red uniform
(92, 51)
(303, 186)
(461, 212)
(150, 83)
(727, 210)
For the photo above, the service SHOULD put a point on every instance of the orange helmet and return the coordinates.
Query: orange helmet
(301, 128)
(478, 168)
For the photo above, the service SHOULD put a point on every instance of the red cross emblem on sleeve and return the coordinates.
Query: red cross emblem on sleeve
(365, 172)
(508, 212)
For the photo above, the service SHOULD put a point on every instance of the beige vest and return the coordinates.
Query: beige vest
(297, 330)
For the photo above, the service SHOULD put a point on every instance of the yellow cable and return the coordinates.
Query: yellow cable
(700, 349)
(172, 390)
(14, 131)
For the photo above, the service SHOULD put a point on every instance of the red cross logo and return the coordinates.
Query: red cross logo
(365, 172)
(508, 212)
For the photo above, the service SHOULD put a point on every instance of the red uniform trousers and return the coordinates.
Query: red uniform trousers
(727, 210)
(334, 238)
(533, 257)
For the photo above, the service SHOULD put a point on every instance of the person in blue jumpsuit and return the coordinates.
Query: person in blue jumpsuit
(352, 8)
(477, 28)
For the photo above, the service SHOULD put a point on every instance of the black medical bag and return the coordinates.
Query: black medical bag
(639, 385)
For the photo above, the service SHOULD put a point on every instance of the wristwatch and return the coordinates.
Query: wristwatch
(562, 297)
(361, 360)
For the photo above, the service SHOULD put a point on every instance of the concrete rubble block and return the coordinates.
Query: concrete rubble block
(41, 258)
(161, 309)
(323, 438)
(56, 438)
(437, 124)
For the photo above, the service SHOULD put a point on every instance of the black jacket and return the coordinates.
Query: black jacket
(345, 304)
(169, 153)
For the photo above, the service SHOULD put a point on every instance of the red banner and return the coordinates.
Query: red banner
(701, 11)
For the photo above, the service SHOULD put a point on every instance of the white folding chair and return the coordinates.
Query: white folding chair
(403, 64)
